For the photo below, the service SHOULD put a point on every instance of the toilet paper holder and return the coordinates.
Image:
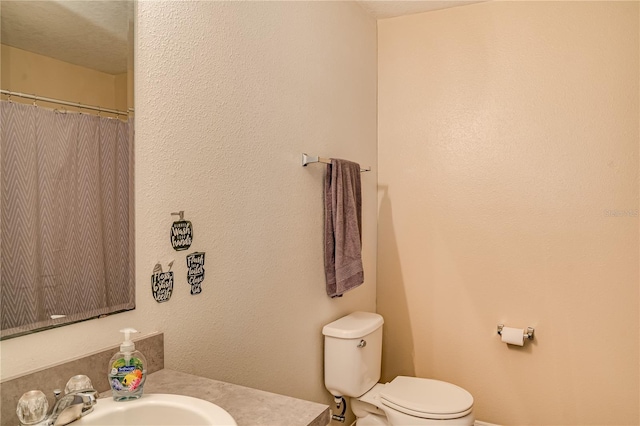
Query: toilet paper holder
(528, 333)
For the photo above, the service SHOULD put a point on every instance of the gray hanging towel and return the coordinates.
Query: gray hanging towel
(342, 227)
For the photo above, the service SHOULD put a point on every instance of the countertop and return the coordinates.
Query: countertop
(249, 407)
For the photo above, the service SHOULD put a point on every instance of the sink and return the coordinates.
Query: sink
(157, 409)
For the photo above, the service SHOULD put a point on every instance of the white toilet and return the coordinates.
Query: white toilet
(352, 361)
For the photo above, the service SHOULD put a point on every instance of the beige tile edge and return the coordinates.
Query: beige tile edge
(57, 364)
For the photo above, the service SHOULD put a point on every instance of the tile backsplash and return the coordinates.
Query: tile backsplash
(94, 365)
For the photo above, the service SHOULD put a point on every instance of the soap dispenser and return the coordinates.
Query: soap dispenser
(127, 370)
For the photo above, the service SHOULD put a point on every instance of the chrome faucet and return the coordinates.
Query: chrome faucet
(76, 403)
(71, 407)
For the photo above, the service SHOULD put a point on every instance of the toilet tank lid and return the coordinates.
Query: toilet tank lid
(353, 326)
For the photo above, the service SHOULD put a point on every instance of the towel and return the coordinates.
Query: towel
(343, 227)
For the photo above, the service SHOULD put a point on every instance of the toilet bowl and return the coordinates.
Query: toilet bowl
(414, 401)
(353, 353)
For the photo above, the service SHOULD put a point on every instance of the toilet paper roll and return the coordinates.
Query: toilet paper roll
(513, 336)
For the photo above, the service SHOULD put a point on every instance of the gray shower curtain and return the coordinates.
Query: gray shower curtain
(66, 234)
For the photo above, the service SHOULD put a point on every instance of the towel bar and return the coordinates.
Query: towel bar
(307, 159)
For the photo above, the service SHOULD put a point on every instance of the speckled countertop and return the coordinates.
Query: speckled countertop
(249, 407)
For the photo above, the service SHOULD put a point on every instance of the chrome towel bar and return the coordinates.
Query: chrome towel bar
(307, 159)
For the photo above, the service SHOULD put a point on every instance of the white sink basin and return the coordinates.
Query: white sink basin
(157, 409)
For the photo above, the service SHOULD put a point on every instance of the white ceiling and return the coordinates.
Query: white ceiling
(381, 9)
(89, 33)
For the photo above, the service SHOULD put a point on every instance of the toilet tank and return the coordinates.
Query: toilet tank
(352, 353)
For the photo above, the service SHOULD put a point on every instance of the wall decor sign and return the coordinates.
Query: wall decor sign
(161, 284)
(181, 233)
(195, 271)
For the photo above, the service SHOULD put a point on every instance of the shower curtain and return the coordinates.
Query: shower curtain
(66, 232)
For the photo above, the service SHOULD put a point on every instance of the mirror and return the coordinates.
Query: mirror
(66, 228)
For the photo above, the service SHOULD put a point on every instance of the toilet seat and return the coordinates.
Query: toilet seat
(426, 398)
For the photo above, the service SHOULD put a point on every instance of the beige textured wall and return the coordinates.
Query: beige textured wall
(228, 96)
(28, 72)
(508, 191)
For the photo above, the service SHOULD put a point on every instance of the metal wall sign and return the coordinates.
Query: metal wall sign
(181, 233)
(195, 271)
(161, 284)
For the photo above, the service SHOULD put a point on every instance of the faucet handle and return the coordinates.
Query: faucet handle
(89, 399)
(77, 383)
(32, 407)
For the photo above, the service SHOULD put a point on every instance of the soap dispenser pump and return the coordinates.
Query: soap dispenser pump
(127, 370)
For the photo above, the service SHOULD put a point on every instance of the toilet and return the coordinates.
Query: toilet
(352, 361)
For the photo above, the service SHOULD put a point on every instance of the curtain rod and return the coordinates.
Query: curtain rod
(61, 102)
